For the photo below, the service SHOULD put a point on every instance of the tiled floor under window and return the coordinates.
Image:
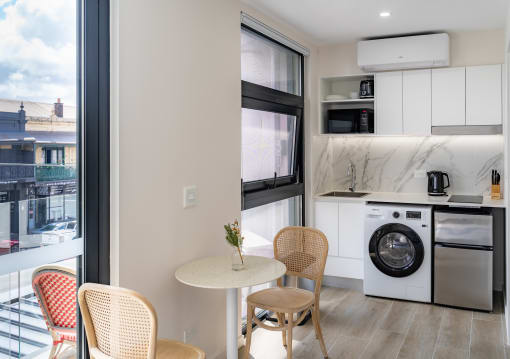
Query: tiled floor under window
(356, 326)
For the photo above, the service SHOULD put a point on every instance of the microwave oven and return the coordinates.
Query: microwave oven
(359, 120)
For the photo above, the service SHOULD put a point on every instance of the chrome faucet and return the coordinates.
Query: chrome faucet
(351, 171)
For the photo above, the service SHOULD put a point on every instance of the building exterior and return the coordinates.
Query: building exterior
(37, 165)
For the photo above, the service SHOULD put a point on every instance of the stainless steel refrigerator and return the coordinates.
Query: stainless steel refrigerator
(463, 256)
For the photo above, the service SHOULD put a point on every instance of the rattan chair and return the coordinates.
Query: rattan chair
(55, 289)
(304, 252)
(121, 324)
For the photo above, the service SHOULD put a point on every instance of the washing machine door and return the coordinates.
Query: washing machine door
(396, 250)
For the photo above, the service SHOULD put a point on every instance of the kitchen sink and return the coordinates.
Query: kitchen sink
(345, 194)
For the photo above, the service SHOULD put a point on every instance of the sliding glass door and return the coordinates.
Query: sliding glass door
(40, 164)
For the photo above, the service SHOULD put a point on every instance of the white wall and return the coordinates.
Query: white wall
(176, 103)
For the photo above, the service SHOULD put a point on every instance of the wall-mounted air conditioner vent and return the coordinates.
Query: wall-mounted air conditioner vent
(408, 52)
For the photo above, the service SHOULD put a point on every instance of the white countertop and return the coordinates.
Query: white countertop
(217, 273)
(411, 198)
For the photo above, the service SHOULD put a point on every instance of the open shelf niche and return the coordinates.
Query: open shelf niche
(341, 85)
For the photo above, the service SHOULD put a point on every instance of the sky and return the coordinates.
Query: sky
(38, 50)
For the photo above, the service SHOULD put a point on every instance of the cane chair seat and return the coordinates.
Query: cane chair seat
(282, 299)
(173, 349)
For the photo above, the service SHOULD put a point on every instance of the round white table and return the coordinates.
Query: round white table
(217, 273)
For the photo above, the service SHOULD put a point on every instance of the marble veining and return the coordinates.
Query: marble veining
(324, 148)
(390, 164)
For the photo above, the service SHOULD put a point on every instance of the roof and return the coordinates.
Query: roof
(55, 137)
(36, 109)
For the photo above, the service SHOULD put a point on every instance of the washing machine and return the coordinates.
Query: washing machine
(398, 251)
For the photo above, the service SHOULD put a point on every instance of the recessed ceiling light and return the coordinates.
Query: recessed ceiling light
(385, 14)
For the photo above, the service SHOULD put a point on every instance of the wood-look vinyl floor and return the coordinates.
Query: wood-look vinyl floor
(356, 326)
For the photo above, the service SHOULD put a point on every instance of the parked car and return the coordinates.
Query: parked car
(9, 246)
(56, 232)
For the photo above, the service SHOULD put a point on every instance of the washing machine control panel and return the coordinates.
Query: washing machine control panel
(396, 214)
(413, 215)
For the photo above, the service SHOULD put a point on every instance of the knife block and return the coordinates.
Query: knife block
(496, 191)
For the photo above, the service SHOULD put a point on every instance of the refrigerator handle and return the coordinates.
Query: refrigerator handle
(463, 246)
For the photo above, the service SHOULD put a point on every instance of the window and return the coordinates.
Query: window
(55, 89)
(272, 143)
(268, 141)
(54, 155)
(260, 225)
(40, 94)
(272, 136)
(267, 63)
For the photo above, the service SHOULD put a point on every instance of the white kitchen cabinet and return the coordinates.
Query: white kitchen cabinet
(483, 95)
(388, 89)
(343, 224)
(351, 224)
(449, 96)
(326, 220)
(416, 102)
(344, 267)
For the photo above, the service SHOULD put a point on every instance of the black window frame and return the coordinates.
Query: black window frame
(258, 97)
(96, 139)
(93, 71)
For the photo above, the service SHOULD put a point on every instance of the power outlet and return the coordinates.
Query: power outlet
(187, 335)
(420, 174)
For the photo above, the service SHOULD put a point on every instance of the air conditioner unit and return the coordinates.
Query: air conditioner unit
(408, 52)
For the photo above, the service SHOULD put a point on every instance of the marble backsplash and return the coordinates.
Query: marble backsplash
(389, 164)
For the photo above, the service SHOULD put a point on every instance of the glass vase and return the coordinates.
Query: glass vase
(237, 259)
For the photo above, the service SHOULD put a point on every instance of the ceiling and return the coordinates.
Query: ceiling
(335, 21)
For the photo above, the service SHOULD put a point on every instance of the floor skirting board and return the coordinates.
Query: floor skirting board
(347, 283)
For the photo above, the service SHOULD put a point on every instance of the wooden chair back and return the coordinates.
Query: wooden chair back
(119, 323)
(304, 251)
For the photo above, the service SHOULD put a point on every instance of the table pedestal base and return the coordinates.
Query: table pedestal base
(232, 323)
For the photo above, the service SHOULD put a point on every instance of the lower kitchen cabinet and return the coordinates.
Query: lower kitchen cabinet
(343, 225)
(326, 220)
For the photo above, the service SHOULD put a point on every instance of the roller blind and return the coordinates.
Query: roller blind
(273, 34)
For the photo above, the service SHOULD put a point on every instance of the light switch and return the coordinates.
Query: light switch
(190, 196)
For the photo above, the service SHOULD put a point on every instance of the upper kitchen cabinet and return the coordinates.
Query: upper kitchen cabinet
(449, 96)
(388, 87)
(424, 102)
(483, 95)
(416, 102)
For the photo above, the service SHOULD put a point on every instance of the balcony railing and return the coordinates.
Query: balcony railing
(55, 172)
(13, 172)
